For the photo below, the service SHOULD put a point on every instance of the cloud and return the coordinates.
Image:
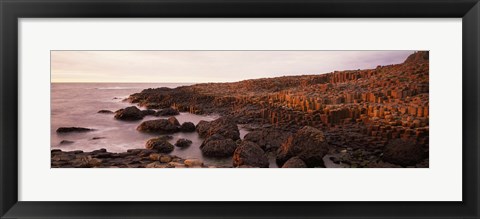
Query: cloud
(208, 66)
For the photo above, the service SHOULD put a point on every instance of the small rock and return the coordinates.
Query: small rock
(105, 111)
(55, 151)
(66, 142)
(193, 163)
(165, 159)
(160, 145)
(182, 142)
(187, 127)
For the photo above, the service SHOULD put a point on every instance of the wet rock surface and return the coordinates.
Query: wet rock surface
(73, 129)
(135, 158)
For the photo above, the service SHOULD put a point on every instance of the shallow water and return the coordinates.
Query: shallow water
(77, 104)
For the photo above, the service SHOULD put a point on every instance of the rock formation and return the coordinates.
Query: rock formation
(308, 144)
(357, 109)
(249, 154)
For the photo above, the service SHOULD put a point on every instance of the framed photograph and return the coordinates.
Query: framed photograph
(255, 109)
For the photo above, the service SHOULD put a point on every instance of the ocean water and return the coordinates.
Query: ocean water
(77, 104)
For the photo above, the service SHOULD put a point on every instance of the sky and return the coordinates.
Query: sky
(207, 66)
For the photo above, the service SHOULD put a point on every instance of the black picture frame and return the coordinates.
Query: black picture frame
(12, 10)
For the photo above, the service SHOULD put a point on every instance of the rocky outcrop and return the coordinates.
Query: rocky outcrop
(159, 144)
(130, 113)
(161, 126)
(132, 158)
(73, 129)
(250, 154)
(294, 162)
(187, 127)
(358, 111)
(267, 139)
(403, 152)
(218, 146)
(308, 144)
(182, 142)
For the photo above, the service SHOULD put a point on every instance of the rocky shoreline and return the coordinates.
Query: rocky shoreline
(132, 158)
(370, 118)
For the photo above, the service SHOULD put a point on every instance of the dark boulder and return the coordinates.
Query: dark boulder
(167, 112)
(187, 127)
(160, 126)
(223, 126)
(309, 144)
(218, 146)
(250, 154)
(294, 162)
(203, 127)
(73, 129)
(267, 139)
(182, 142)
(130, 113)
(159, 144)
(403, 152)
